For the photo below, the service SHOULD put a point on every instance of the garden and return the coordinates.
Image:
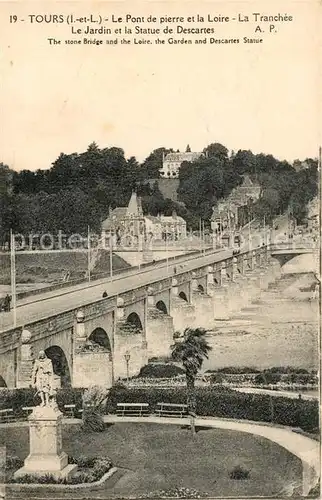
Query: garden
(158, 460)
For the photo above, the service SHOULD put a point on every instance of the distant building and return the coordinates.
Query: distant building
(173, 161)
(125, 223)
(173, 227)
(247, 190)
(235, 211)
(127, 226)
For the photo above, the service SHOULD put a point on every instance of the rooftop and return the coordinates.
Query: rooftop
(188, 156)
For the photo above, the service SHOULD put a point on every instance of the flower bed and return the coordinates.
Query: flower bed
(90, 469)
(175, 493)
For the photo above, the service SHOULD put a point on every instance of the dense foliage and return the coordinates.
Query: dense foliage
(19, 398)
(204, 182)
(226, 403)
(160, 371)
(211, 401)
(79, 188)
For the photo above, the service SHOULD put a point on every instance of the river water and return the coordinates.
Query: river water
(280, 328)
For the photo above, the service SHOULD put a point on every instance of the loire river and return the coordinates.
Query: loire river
(281, 328)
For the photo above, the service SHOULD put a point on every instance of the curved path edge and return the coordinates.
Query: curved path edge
(303, 447)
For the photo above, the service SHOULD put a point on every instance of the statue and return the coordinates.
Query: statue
(42, 378)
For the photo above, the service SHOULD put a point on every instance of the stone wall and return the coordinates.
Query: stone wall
(94, 368)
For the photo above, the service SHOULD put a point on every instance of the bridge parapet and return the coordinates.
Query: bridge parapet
(300, 247)
(133, 296)
(160, 286)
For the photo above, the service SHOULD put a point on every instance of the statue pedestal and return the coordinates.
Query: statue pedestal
(46, 455)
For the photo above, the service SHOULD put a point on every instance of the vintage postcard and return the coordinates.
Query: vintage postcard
(160, 167)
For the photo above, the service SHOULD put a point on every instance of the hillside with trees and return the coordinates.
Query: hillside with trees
(79, 188)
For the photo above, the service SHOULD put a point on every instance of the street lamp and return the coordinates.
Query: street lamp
(127, 357)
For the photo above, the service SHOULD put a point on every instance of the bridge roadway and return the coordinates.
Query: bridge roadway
(39, 307)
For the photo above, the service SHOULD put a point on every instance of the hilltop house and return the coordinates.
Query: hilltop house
(173, 161)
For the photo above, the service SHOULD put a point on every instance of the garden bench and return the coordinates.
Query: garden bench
(27, 410)
(7, 415)
(133, 409)
(171, 410)
(69, 411)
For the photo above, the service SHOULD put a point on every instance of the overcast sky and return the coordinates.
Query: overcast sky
(59, 99)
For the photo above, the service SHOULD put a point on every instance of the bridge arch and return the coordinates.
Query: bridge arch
(134, 319)
(100, 337)
(2, 382)
(160, 305)
(60, 364)
(183, 296)
(201, 289)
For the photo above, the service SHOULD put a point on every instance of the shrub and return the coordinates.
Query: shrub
(237, 369)
(161, 371)
(300, 378)
(160, 359)
(95, 396)
(175, 492)
(267, 378)
(13, 463)
(216, 378)
(92, 420)
(239, 473)
(94, 404)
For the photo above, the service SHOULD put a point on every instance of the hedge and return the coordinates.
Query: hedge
(211, 401)
(160, 371)
(18, 398)
(226, 403)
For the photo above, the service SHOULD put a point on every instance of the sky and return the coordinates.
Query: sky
(263, 97)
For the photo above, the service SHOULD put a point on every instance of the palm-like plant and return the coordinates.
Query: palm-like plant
(190, 349)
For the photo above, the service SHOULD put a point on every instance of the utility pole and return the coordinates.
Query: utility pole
(320, 217)
(111, 257)
(249, 235)
(88, 254)
(13, 276)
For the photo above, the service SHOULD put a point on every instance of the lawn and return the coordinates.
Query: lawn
(154, 457)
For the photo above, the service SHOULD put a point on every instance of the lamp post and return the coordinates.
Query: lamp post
(13, 277)
(127, 357)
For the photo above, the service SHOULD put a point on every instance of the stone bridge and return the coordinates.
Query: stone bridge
(87, 342)
(297, 257)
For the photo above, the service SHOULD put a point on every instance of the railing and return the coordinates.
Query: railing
(295, 245)
(118, 274)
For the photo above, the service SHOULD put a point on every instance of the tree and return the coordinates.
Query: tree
(190, 349)
(216, 149)
(153, 163)
(6, 216)
(244, 162)
(188, 149)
